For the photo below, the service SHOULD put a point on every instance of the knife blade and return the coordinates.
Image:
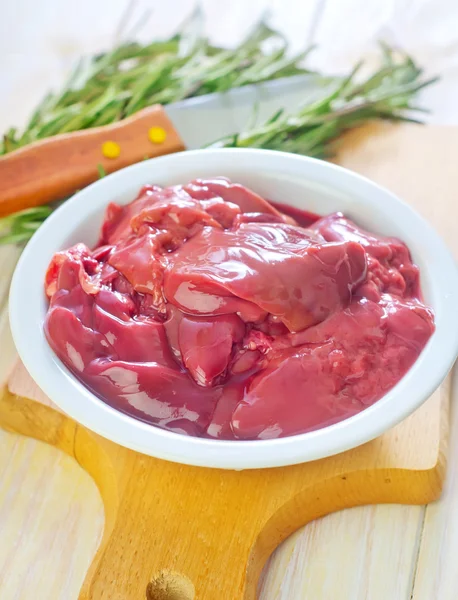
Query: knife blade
(204, 119)
(56, 167)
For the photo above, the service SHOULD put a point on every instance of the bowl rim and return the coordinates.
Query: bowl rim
(83, 406)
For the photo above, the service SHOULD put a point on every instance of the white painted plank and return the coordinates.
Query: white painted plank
(51, 519)
(8, 354)
(364, 553)
(8, 259)
(437, 572)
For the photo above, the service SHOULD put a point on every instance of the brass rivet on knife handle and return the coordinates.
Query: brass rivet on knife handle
(55, 167)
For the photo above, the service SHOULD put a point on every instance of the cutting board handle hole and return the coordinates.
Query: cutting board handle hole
(170, 585)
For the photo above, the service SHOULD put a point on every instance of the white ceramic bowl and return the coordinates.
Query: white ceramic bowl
(307, 183)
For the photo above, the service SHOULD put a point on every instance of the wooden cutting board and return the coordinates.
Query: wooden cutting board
(174, 532)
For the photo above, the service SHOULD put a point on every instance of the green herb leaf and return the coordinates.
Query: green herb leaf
(101, 170)
(19, 228)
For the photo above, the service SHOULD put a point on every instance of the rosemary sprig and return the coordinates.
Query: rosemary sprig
(113, 85)
(19, 227)
(312, 130)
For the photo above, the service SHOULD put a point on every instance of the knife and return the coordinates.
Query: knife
(55, 167)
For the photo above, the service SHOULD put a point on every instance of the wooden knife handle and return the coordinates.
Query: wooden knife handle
(55, 167)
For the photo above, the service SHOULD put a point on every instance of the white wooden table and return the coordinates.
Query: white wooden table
(369, 553)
